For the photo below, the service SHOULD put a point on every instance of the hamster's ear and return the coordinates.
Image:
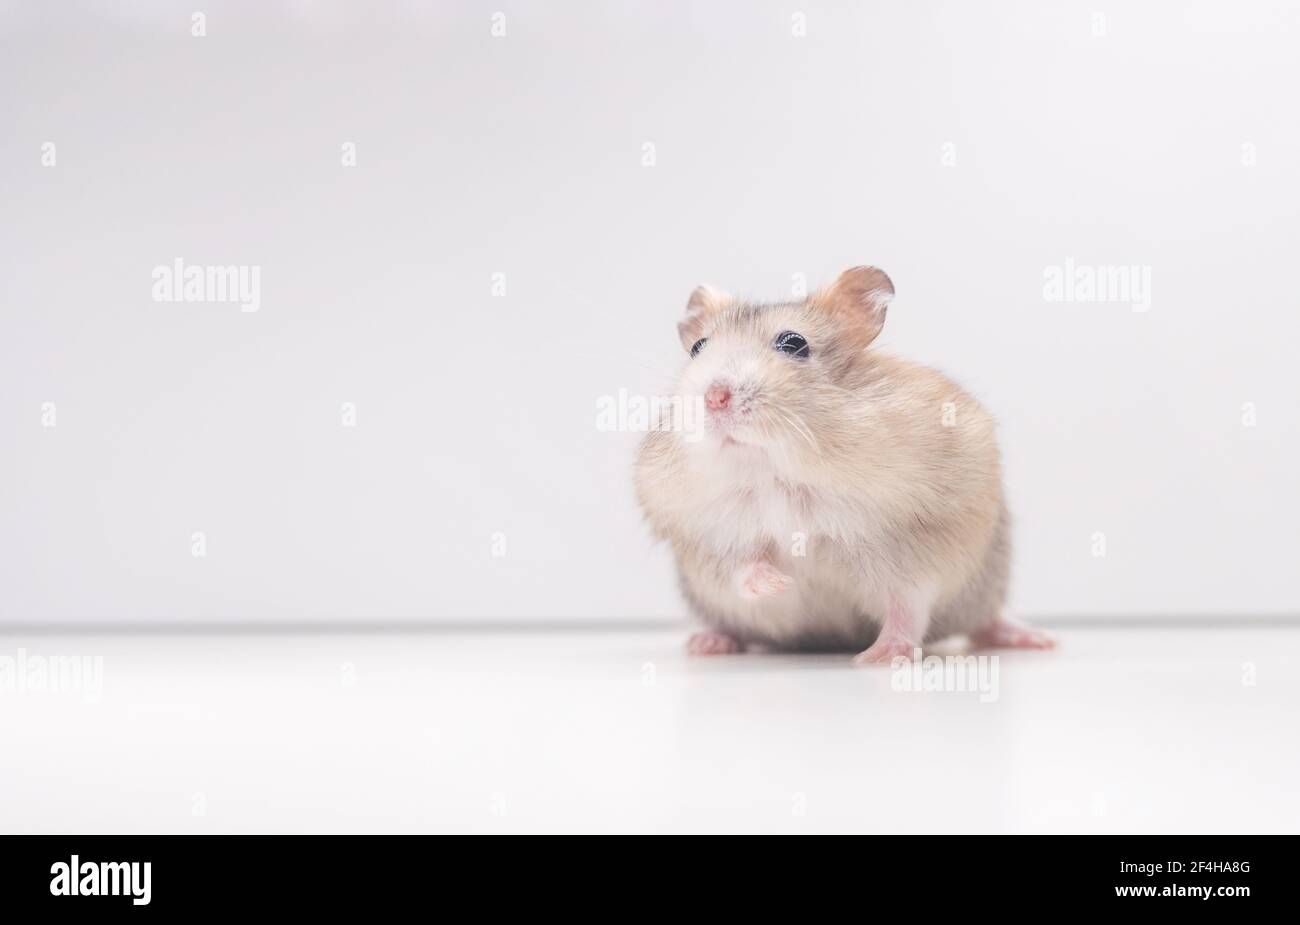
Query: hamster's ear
(859, 299)
(705, 302)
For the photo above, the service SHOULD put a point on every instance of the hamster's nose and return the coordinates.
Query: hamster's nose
(718, 397)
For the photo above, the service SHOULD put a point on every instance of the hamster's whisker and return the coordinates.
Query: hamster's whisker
(798, 425)
(796, 428)
(805, 429)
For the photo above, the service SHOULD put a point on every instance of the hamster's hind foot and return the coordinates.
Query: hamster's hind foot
(711, 643)
(901, 633)
(884, 651)
(1003, 634)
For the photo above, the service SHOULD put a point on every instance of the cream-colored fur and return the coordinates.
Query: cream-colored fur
(872, 484)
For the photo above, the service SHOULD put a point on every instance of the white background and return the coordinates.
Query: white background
(522, 154)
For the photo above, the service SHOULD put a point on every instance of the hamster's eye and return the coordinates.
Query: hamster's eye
(698, 345)
(793, 344)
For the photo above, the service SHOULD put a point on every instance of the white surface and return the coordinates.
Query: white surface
(775, 155)
(1118, 731)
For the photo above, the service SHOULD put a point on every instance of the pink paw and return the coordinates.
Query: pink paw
(762, 579)
(884, 651)
(710, 643)
(1006, 635)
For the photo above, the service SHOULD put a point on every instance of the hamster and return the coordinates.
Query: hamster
(825, 495)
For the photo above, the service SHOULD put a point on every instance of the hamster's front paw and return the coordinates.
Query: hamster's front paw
(762, 579)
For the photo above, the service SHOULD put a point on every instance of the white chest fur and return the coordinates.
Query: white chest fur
(744, 509)
(741, 504)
